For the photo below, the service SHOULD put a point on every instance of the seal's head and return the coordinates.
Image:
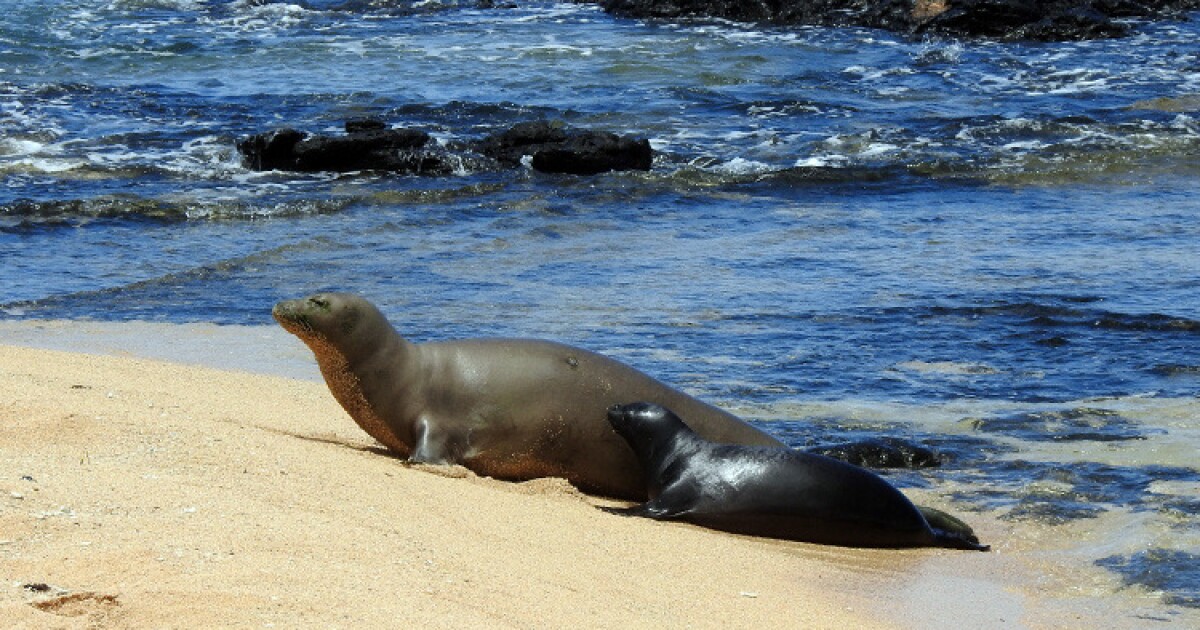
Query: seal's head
(346, 333)
(342, 319)
(647, 427)
(635, 417)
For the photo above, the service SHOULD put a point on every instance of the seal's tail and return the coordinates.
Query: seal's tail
(950, 531)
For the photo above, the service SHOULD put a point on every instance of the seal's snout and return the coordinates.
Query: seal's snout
(283, 310)
(290, 315)
(616, 414)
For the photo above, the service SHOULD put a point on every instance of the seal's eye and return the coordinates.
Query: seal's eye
(318, 302)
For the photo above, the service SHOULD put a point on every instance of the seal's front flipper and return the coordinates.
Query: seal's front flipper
(650, 509)
(429, 447)
(633, 510)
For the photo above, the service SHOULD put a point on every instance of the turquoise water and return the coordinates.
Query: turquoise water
(988, 247)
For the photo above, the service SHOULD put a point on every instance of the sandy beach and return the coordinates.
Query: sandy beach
(137, 493)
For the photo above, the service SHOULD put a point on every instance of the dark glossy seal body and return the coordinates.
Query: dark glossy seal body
(508, 408)
(770, 491)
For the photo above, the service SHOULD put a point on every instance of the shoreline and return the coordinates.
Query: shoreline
(143, 492)
(265, 349)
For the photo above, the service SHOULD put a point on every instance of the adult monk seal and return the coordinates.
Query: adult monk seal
(508, 408)
(770, 491)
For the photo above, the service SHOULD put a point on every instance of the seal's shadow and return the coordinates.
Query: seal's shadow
(453, 471)
(337, 441)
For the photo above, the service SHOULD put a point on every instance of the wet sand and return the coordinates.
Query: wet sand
(141, 493)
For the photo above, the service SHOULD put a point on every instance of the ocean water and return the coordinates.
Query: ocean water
(989, 248)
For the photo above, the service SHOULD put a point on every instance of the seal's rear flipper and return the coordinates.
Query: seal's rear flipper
(951, 531)
(955, 540)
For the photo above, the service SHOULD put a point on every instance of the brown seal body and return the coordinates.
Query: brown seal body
(508, 408)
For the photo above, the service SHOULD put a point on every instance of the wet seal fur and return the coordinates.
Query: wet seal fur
(514, 409)
(772, 492)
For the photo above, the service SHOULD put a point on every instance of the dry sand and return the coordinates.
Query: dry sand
(143, 494)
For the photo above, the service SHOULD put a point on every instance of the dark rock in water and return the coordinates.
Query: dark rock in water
(1050, 20)
(591, 152)
(556, 149)
(522, 139)
(365, 124)
(368, 145)
(271, 151)
(886, 452)
(377, 149)
(1023, 19)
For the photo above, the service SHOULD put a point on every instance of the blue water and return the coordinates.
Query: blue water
(995, 243)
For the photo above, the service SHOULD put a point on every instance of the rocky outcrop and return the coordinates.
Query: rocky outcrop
(1022, 20)
(1001, 19)
(370, 145)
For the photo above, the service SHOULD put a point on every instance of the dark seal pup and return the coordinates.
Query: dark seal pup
(507, 408)
(770, 491)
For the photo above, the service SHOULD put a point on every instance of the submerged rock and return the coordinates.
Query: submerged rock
(885, 452)
(1173, 104)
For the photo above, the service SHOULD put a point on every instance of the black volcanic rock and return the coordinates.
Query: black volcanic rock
(595, 152)
(555, 149)
(1049, 20)
(370, 145)
(1023, 20)
(357, 125)
(271, 151)
(510, 145)
(377, 149)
